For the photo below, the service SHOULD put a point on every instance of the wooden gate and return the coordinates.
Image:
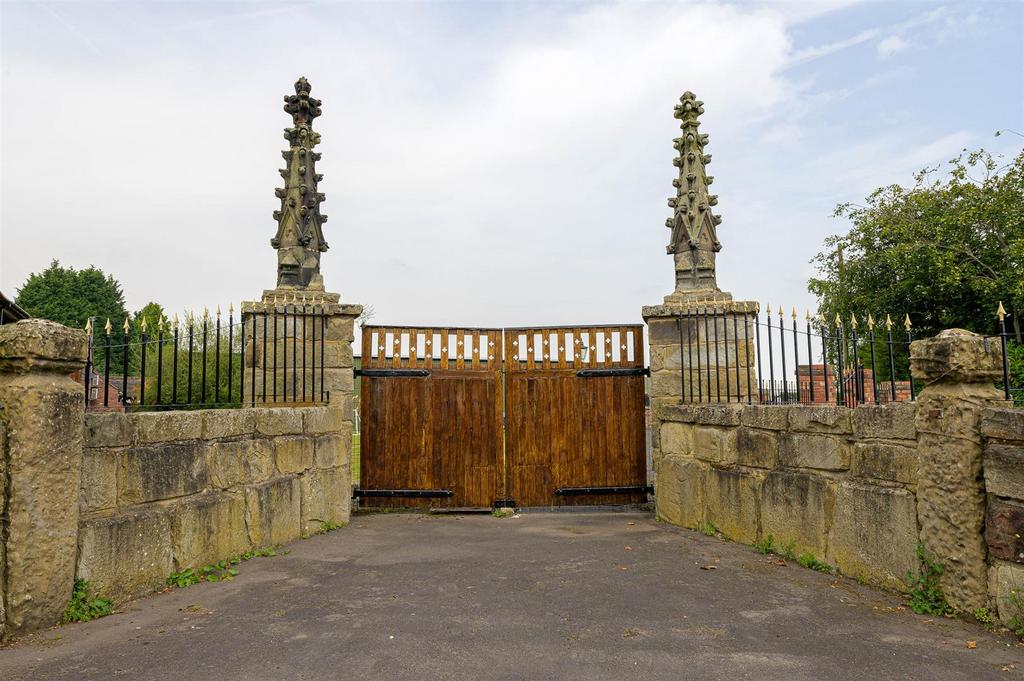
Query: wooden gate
(430, 407)
(576, 431)
(432, 402)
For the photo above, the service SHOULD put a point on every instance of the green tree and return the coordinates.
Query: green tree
(71, 297)
(945, 251)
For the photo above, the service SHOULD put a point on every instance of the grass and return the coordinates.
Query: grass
(708, 529)
(809, 561)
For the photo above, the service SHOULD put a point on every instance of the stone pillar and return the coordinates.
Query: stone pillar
(336, 346)
(723, 331)
(42, 412)
(958, 371)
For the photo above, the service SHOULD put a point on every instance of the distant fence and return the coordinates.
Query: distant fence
(270, 357)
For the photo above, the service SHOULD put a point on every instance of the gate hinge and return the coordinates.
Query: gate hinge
(404, 373)
(621, 371)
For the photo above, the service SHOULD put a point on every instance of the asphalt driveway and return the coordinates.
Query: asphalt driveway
(543, 596)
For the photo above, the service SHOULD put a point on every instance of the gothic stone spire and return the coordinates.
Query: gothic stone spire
(694, 240)
(300, 239)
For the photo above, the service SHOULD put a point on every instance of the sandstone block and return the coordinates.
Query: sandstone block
(331, 451)
(293, 454)
(874, 534)
(756, 448)
(1003, 424)
(665, 383)
(1004, 530)
(676, 439)
(955, 356)
(161, 471)
(767, 417)
(731, 502)
(820, 419)
(318, 420)
(665, 357)
(126, 555)
(891, 421)
(715, 445)
(1006, 583)
(806, 450)
(225, 423)
(663, 332)
(797, 508)
(273, 511)
(207, 528)
(682, 413)
(718, 414)
(326, 497)
(884, 461)
(678, 491)
(241, 462)
(99, 480)
(1004, 470)
(170, 426)
(337, 354)
(278, 421)
(340, 328)
(113, 429)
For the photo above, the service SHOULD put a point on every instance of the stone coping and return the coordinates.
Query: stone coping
(713, 307)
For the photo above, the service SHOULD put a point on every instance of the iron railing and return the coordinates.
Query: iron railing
(274, 355)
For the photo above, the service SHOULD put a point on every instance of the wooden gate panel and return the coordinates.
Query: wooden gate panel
(439, 429)
(571, 430)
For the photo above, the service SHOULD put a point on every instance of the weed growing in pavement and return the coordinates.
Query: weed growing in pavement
(84, 605)
(809, 561)
(221, 571)
(766, 545)
(708, 528)
(924, 591)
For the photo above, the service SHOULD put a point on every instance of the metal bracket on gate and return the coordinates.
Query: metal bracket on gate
(406, 373)
(414, 493)
(618, 489)
(634, 371)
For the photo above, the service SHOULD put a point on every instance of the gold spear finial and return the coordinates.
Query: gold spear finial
(780, 312)
(160, 324)
(888, 322)
(794, 314)
(175, 320)
(143, 325)
(839, 320)
(191, 318)
(107, 327)
(88, 325)
(906, 323)
(871, 322)
(125, 325)
(1001, 312)
(853, 321)
(807, 316)
(768, 309)
(218, 312)
(231, 309)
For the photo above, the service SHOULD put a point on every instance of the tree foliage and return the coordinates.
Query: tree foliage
(945, 251)
(71, 297)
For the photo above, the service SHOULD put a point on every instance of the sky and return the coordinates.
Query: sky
(485, 164)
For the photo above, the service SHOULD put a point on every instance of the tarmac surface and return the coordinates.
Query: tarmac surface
(537, 597)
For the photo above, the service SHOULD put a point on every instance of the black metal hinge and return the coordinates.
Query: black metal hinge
(404, 373)
(595, 373)
(414, 493)
(618, 489)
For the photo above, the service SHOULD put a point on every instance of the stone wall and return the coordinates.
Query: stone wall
(835, 482)
(1003, 461)
(161, 492)
(861, 488)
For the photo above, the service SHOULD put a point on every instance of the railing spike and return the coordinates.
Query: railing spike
(1001, 312)
(88, 325)
(871, 321)
(107, 327)
(906, 323)
(888, 322)
(125, 326)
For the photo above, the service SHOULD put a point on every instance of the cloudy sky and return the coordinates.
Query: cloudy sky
(485, 163)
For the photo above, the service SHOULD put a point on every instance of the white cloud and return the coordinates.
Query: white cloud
(894, 44)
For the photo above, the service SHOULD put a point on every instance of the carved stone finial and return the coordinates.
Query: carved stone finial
(299, 240)
(694, 240)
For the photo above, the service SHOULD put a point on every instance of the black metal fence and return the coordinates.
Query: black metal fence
(209, 361)
(732, 354)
